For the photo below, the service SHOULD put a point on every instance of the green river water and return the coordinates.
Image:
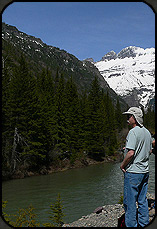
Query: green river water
(82, 190)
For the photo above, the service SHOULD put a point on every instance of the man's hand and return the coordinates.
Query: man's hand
(127, 159)
(124, 171)
(122, 168)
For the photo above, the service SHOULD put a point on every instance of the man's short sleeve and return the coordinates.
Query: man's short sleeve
(131, 140)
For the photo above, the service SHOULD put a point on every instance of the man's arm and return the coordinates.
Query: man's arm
(127, 159)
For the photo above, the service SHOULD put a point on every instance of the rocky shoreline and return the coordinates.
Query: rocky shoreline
(107, 216)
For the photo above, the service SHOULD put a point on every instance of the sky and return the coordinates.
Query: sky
(85, 29)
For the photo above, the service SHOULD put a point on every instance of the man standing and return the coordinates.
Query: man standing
(136, 170)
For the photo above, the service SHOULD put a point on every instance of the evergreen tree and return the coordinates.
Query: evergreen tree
(37, 131)
(7, 75)
(149, 119)
(56, 80)
(58, 121)
(118, 116)
(83, 121)
(18, 103)
(56, 214)
(24, 120)
(93, 144)
(110, 134)
(45, 92)
(102, 123)
(72, 115)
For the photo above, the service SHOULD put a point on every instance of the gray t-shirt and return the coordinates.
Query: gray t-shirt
(139, 139)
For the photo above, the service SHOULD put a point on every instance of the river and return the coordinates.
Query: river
(82, 190)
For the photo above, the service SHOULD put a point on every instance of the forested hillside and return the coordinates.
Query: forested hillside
(46, 119)
(40, 55)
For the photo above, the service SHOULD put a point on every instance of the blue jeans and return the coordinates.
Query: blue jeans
(135, 189)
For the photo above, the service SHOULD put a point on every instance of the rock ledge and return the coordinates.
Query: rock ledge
(107, 216)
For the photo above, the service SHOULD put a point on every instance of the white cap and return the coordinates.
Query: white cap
(137, 113)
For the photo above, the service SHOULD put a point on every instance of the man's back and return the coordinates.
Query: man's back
(139, 140)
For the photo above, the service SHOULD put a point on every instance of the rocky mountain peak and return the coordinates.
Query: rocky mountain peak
(109, 56)
(127, 52)
(90, 60)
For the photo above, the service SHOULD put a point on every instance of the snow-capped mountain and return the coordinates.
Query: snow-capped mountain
(130, 73)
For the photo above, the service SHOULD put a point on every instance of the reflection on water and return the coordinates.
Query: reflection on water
(82, 190)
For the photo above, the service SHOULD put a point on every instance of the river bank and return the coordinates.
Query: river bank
(63, 165)
(82, 190)
(107, 215)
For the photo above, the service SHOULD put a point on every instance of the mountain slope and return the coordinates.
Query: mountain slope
(131, 74)
(39, 55)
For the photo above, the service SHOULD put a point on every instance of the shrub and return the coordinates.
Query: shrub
(56, 214)
(120, 200)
